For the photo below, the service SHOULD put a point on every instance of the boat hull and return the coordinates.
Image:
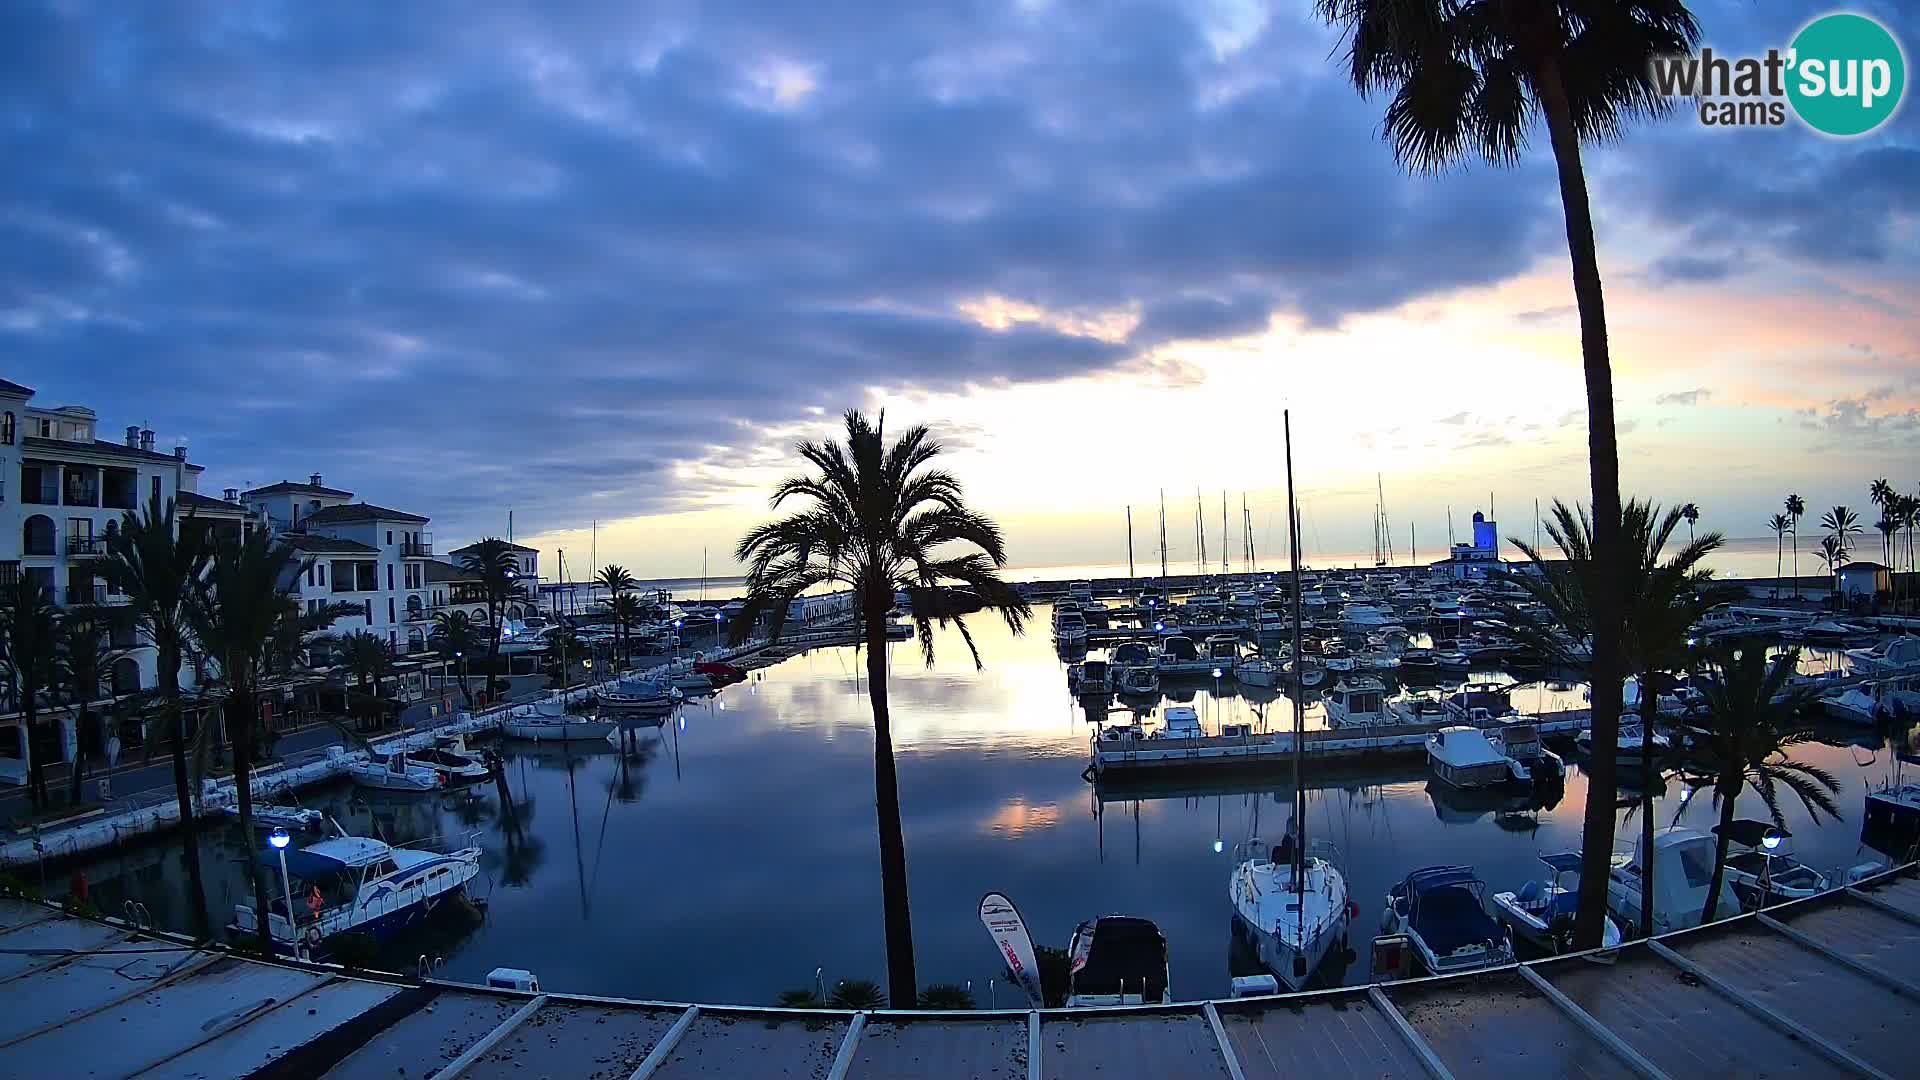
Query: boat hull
(563, 731)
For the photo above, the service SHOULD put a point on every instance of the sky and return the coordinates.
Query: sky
(607, 262)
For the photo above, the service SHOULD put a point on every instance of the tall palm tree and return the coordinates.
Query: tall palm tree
(1691, 512)
(1833, 553)
(614, 578)
(1841, 524)
(1660, 595)
(1882, 494)
(1796, 508)
(369, 658)
(158, 563)
(1748, 723)
(626, 609)
(492, 560)
(457, 635)
(29, 660)
(1470, 79)
(86, 653)
(237, 620)
(1779, 523)
(878, 519)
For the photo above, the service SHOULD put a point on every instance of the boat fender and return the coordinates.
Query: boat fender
(1386, 921)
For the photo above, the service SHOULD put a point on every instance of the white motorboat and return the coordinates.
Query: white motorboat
(1890, 656)
(1223, 650)
(452, 760)
(540, 728)
(1117, 960)
(1295, 908)
(1179, 656)
(637, 695)
(1357, 701)
(1761, 874)
(1477, 703)
(1361, 618)
(682, 676)
(1140, 681)
(1451, 660)
(1629, 745)
(1465, 758)
(1069, 625)
(1869, 703)
(1427, 708)
(1683, 871)
(1257, 671)
(276, 816)
(1442, 911)
(393, 772)
(1542, 911)
(1893, 809)
(355, 883)
(1311, 672)
(1091, 678)
(1664, 701)
(1518, 736)
(1180, 722)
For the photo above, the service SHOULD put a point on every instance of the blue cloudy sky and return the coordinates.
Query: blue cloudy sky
(606, 261)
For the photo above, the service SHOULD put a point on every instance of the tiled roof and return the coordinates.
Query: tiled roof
(15, 388)
(193, 500)
(288, 487)
(334, 515)
(510, 547)
(327, 545)
(99, 446)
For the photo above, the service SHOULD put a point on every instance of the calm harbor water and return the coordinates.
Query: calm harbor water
(734, 851)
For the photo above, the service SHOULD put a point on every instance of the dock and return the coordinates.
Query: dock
(1817, 988)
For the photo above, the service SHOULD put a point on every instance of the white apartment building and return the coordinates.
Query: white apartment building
(371, 556)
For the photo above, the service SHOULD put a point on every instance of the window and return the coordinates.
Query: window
(389, 570)
(310, 575)
(389, 537)
(156, 491)
(322, 567)
(392, 638)
(6, 427)
(389, 604)
(43, 427)
(367, 606)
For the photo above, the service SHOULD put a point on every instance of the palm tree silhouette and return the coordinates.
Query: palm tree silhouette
(1470, 80)
(1779, 523)
(492, 560)
(1796, 509)
(880, 521)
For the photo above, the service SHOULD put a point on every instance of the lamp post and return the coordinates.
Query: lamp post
(279, 839)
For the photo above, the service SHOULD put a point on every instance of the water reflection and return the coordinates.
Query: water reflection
(726, 853)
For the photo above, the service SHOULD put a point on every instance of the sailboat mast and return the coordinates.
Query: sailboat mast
(1129, 543)
(1297, 696)
(1224, 568)
(1199, 537)
(1163, 540)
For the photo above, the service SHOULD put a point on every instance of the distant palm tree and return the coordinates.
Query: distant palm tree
(158, 561)
(1470, 80)
(86, 652)
(492, 560)
(1692, 514)
(1882, 494)
(457, 636)
(614, 578)
(1662, 596)
(1747, 725)
(1833, 553)
(370, 659)
(1796, 509)
(237, 619)
(880, 521)
(1841, 523)
(1889, 527)
(625, 609)
(1779, 523)
(30, 662)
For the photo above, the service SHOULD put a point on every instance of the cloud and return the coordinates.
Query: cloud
(1670, 269)
(1684, 397)
(1456, 418)
(1541, 316)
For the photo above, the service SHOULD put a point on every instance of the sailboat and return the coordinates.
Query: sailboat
(1292, 898)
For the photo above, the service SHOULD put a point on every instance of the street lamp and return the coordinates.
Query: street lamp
(280, 839)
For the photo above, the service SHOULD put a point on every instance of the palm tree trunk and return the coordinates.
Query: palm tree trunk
(1779, 556)
(902, 985)
(493, 644)
(77, 775)
(1603, 454)
(240, 706)
(1796, 562)
(189, 829)
(1648, 771)
(36, 751)
(1720, 847)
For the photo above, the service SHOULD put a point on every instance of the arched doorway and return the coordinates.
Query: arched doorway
(37, 535)
(126, 676)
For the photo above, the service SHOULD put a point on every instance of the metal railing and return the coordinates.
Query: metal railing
(86, 545)
(417, 549)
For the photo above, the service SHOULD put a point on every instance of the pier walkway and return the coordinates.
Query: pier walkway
(1828, 986)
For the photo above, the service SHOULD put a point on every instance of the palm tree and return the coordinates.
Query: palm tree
(457, 634)
(1841, 523)
(1470, 79)
(1882, 494)
(879, 521)
(1660, 599)
(1691, 512)
(492, 560)
(369, 658)
(615, 579)
(1833, 553)
(237, 620)
(1779, 523)
(626, 609)
(86, 653)
(1750, 720)
(158, 563)
(1796, 509)
(29, 659)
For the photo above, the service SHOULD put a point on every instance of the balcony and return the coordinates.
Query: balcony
(39, 495)
(79, 547)
(420, 614)
(81, 594)
(417, 549)
(9, 574)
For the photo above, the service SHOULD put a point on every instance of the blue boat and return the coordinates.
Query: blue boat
(355, 884)
(1442, 910)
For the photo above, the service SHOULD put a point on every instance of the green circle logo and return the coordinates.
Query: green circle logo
(1847, 74)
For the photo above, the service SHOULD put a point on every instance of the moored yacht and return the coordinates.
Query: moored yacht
(1684, 870)
(1465, 758)
(355, 883)
(1892, 655)
(1294, 907)
(1069, 625)
(1117, 960)
(1179, 656)
(1542, 911)
(393, 772)
(1442, 911)
(1357, 701)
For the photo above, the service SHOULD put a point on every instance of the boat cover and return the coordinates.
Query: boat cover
(1565, 862)
(1446, 910)
(1127, 951)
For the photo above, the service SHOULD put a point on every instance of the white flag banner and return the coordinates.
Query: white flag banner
(1010, 936)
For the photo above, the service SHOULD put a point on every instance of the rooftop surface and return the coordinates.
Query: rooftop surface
(1822, 987)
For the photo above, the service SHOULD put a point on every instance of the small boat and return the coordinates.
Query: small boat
(1257, 671)
(1518, 736)
(721, 674)
(1425, 708)
(1476, 703)
(393, 772)
(557, 728)
(1357, 701)
(1295, 922)
(1541, 913)
(1685, 867)
(1179, 656)
(358, 884)
(453, 761)
(638, 695)
(1117, 960)
(1630, 744)
(1890, 656)
(1224, 651)
(1442, 911)
(1762, 876)
(1870, 703)
(1418, 662)
(1465, 758)
(1069, 625)
(1311, 672)
(1893, 809)
(276, 816)
(681, 675)
(1091, 678)
(1831, 632)
(1141, 680)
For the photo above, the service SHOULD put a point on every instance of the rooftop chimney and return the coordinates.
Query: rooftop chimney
(180, 453)
(146, 438)
(233, 495)
(314, 479)
(133, 434)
